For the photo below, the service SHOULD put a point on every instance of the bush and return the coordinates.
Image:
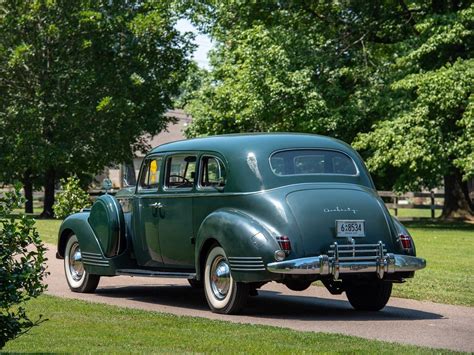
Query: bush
(72, 199)
(22, 255)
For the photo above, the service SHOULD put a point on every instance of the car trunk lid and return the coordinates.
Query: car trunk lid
(316, 211)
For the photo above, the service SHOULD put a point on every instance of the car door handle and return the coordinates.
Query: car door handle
(156, 205)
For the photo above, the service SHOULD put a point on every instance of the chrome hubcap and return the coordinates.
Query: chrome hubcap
(220, 277)
(76, 268)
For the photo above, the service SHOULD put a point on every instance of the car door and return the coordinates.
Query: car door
(176, 215)
(147, 213)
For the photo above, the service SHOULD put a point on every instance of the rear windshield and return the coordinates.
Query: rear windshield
(312, 161)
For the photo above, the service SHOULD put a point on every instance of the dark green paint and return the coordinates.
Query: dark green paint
(244, 217)
(107, 221)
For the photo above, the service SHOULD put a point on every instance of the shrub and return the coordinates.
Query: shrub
(22, 270)
(72, 199)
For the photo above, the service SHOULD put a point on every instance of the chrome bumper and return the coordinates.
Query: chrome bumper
(350, 259)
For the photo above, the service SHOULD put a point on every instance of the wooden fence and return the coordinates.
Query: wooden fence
(395, 199)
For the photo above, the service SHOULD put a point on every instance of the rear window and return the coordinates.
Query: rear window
(312, 161)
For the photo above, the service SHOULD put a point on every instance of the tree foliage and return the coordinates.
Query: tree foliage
(22, 269)
(394, 78)
(80, 81)
(279, 68)
(428, 133)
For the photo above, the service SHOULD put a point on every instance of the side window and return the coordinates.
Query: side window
(212, 172)
(150, 175)
(180, 171)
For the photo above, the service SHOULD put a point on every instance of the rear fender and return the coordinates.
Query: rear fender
(401, 229)
(241, 236)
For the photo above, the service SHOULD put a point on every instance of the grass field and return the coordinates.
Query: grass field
(48, 229)
(81, 327)
(448, 248)
(449, 251)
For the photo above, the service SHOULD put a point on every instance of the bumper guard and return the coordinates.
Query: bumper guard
(347, 259)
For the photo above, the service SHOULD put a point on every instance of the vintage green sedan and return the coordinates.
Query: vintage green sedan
(231, 213)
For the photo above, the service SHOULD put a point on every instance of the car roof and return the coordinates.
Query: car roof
(230, 144)
(247, 156)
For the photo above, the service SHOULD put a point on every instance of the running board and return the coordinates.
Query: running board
(151, 273)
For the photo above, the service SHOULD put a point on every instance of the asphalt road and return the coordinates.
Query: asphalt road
(402, 320)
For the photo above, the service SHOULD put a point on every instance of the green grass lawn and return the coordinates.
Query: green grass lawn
(448, 249)
(48, 229)
(82, 327)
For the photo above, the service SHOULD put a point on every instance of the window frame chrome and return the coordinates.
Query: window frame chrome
(357, 174)
(199, 186)
(165, 187)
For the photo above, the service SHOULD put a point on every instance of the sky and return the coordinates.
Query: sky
(203, 42)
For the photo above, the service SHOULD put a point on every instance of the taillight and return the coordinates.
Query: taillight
(284, 243)
(406, 241)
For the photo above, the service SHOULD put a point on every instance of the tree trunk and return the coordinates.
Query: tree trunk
(28, 188)
(457, 204)
(49, 183)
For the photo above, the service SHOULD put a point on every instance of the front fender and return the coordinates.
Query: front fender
(243, 238)
(92, 254)
(93, 257)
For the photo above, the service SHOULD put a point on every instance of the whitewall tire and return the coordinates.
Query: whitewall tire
(78, 279)
(223, 293)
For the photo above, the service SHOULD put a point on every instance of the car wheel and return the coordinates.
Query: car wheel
(78, 279)
(197, 284)
(223, 293)
(371, 296)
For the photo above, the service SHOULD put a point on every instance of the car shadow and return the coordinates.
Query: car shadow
(268, 304)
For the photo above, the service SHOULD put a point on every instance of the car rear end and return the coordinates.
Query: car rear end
(343, 233)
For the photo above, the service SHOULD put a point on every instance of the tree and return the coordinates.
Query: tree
(80, 82)
(428, 134)
(279, 67)
(22, 270)
(195, 78)
(392, 77)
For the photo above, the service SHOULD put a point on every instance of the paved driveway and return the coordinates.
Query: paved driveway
(404, 321)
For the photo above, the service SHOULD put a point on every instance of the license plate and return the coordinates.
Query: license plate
(350, 228)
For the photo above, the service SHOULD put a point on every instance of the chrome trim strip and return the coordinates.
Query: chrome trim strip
(350, 246)
(242, 264)
(253, 269)
(95, 264)
(359, 251)
(86, 260)
(92, 257)
(91, 254)
(152, 273)
(244, 258)
(315, 148)
(220, 194)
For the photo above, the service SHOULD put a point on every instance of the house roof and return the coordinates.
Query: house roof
(174, 131)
